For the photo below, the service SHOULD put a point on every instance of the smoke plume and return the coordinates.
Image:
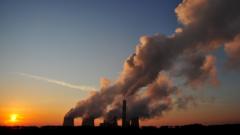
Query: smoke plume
(233, 51)
(206, 26)
(199, 69)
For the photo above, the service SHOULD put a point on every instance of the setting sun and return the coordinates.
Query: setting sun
(13, 118)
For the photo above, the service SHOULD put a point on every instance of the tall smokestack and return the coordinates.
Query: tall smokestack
(124, 113)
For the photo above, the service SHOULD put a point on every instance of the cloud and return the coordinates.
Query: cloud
(60, 83)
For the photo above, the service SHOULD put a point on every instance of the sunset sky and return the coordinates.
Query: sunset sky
(53, 53)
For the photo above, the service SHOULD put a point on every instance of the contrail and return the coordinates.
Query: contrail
(57, 82)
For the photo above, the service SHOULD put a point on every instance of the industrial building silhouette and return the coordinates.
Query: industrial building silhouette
(88, 121)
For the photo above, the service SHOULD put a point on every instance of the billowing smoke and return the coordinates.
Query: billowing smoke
(233, 51)
(152, 101)
(199, 69)
(144, 80)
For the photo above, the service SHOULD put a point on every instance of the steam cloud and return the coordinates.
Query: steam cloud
(145, 79)
(233, 51)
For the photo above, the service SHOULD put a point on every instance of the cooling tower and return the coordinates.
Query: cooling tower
(134, 122)
(88, 121)
(68, 121)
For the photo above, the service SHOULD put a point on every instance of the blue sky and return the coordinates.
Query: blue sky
(78, 36)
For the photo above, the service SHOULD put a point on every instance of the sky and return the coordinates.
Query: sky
(53, 53)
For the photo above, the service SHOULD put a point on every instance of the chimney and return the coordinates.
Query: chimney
(124, 113)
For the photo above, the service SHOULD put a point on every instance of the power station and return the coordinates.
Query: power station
(89, 121)
(133, 122)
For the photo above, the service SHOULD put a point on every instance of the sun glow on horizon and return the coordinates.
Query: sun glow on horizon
(14, 118)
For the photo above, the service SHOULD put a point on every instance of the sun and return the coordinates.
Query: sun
(13, 118)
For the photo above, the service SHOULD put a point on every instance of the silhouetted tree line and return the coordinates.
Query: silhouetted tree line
(57, 130)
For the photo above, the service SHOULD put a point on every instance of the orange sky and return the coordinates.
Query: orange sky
(41, 104)
(203, 113)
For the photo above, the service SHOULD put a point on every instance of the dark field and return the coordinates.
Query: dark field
(193, 129)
